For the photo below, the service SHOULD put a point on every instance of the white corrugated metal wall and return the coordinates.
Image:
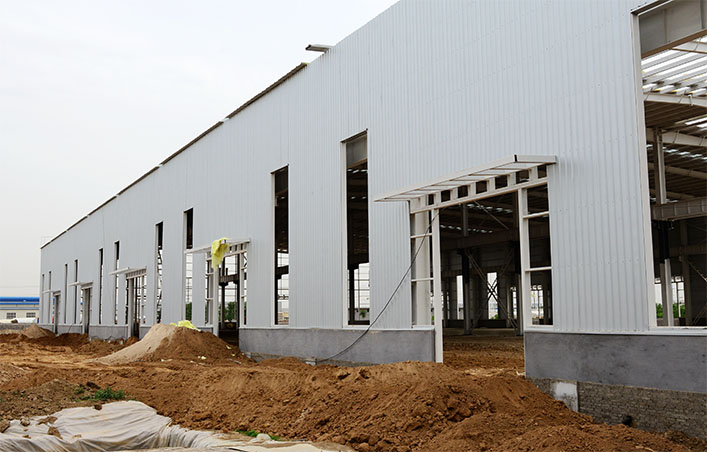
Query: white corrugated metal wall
(440, 86)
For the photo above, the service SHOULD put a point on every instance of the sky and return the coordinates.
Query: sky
(89, 85)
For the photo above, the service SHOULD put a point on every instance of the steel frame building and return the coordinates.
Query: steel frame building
(583, 116)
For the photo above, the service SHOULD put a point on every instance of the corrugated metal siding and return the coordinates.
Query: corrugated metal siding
(439, 86)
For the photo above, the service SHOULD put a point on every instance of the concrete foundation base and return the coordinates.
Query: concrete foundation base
(658, 382)
(108, 332)
(377, 346)
(656, 410)
(676, 363)
(61, 329)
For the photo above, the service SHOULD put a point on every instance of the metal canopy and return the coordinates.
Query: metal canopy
(503, 167)
(234, 246)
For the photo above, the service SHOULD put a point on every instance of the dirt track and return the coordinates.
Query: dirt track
(477, 401)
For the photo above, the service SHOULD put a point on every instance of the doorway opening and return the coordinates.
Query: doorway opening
(137, 300)
(55, 308)
(489, 225)
(85, 314)
(672, 67)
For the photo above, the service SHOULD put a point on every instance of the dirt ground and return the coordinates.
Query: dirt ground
(477, 401)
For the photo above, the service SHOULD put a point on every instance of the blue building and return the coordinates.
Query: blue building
(24, 309)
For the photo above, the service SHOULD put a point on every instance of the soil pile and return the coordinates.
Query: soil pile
(73, 340)
(168, 342)
(396, 407)
(46, 398)
(403, 407)
(35, 332)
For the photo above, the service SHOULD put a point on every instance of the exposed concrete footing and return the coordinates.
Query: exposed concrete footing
(653, 382)
(311, 344)
(656, 410)
(676, 363)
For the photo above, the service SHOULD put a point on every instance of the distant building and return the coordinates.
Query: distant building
(24, 309)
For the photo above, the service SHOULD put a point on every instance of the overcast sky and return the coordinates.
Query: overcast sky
(90, 85)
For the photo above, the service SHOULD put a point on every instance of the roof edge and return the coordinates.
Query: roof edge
(249, 102)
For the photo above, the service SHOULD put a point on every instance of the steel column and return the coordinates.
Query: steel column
(661, 194)
(437, 286)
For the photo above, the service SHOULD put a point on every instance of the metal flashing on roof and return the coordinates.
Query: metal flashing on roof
(318, 48)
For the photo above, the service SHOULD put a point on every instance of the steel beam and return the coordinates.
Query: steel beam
(682, 172)
(680, 139)
(675, 99)
(690, 208)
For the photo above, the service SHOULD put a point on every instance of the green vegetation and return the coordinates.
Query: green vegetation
(659, 310)
(253, 433)
(108, 394)
(103, 395)
(230, 311)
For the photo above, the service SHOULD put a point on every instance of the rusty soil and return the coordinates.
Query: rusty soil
(478, 400)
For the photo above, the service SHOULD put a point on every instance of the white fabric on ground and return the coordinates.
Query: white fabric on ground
(124, 426)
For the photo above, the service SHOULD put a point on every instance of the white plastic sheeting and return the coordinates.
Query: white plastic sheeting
(125, 426)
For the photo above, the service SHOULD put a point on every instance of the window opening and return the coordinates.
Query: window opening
(357, 234)
(116, 295)
(230, 290)
(51, 299)
(78, 306)
(282, 256)
(100, 286)
(243, 278)
(41, 293)
(188, 262)
(159, 270)
(209, 295)
(66, 294)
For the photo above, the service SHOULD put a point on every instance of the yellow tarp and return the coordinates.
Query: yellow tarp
(218, 249)
(185, 324)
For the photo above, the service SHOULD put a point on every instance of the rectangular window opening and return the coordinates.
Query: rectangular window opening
(100, 286)
(78, 307)
(357, 234)
(282, 256)
(188, 261)
(116, 295)
(65, 308)
(159, 270)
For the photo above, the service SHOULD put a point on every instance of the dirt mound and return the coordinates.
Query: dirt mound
(395, 407)
(587, 437)
(165, 342)
(98, 347)
(44, 399)
(73, 340)
(10, 372)
(35, 332)
(401, 407)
